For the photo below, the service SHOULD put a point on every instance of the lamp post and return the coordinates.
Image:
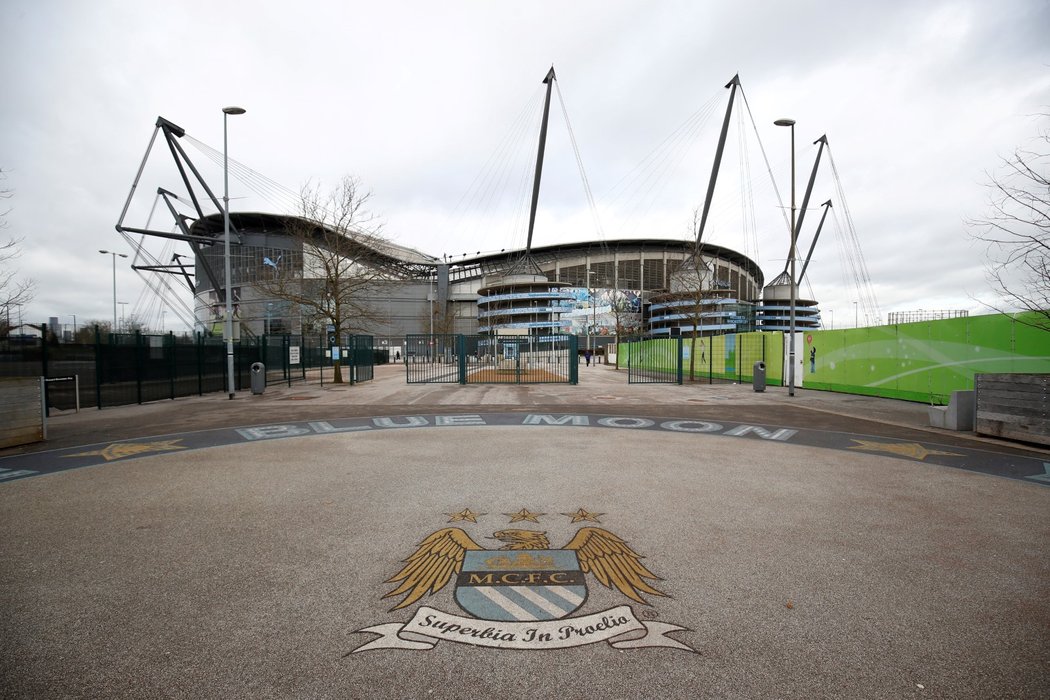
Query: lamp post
(855, 323)
(791, 262)
(110, 252)
(227, 327)
(594, 311)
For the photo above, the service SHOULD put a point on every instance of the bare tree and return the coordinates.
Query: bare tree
(1017, 230)
(14, 291)
(692, 281)
(341, 251)
(439, 316)
(86, 332)
(626, 314)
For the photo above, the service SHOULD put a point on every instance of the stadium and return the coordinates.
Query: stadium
(600, 289)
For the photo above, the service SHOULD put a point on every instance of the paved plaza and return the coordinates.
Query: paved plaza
(388, 540)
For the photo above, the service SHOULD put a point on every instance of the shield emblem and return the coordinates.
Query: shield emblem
(524, 585)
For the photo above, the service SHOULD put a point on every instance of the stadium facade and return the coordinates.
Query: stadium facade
(638, 286)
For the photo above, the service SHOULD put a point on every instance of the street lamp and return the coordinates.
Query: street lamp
(430, 298)
(791, 255)
(227, 328)
(855, 323)
(109, 252)
(594, 311)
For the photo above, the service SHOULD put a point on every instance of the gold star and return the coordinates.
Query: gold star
(904, 449)
(465, 515)
(120, 450)
(582, 514)
(524, 514)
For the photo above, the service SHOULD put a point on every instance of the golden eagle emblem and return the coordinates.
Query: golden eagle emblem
(592, 550)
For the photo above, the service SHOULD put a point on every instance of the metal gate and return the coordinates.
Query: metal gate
(356, 355)
(362, 358)
(487, 359)
(654, 361)
(432, 359)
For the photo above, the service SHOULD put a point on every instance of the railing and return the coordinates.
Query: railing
(653, 361)
(120, 369)
(489, 359)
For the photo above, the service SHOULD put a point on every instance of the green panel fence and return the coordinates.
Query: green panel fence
(924, 361)
(722, 358)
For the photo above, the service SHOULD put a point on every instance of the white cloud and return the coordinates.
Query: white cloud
(918, 100)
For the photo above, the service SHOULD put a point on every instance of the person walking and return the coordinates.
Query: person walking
(587, 356)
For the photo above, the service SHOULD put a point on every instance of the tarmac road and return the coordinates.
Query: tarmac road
(814, 546)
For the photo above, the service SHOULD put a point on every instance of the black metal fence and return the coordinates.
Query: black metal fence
(120, 369)
(485, 359)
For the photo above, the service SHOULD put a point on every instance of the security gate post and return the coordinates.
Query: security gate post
(679, 353)
(461, 354)
(574, 359)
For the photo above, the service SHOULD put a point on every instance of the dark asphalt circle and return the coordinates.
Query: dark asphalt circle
(1030, 469)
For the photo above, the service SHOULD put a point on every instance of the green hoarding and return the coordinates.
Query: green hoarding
(924, 361)
(730, 357)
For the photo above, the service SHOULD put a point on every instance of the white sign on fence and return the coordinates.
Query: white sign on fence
(293, 354)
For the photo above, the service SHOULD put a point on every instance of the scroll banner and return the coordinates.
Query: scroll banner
(618, 626)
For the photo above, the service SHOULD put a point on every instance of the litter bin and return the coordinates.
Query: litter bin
(258, 377)
(758, 376)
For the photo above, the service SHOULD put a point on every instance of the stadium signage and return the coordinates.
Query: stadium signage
(271, 432)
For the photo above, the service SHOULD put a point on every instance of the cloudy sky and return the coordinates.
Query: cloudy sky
(435, 107)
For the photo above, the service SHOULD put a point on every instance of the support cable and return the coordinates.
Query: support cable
(872, 312)
(631, 191)
(765, 159)
(504, 165)
(749, 224)
(158, 283)
(579, 163)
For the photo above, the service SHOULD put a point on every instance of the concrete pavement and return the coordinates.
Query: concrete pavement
(814, 546)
